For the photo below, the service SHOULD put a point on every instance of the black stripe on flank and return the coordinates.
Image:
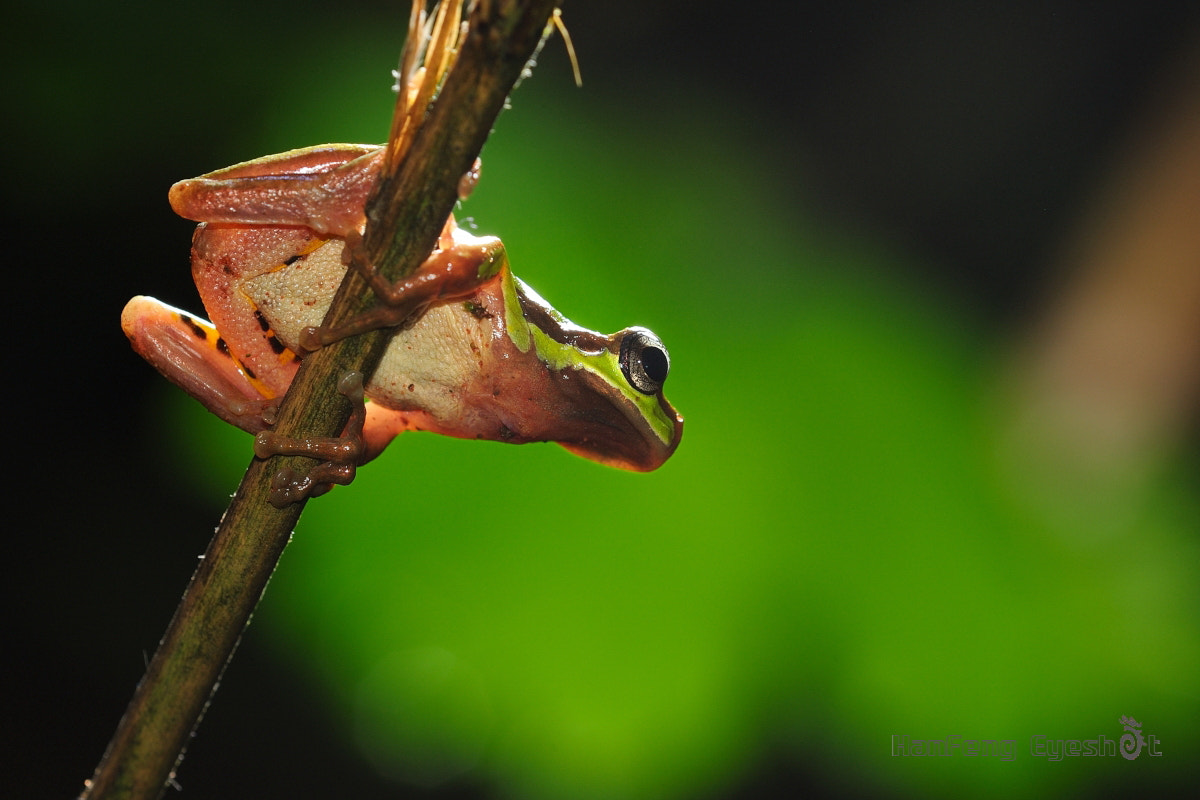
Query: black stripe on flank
(195, 328)
(571, 335)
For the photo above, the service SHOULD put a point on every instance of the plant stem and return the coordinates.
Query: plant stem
(405, 216)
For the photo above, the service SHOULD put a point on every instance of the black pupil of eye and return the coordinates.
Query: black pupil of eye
(644, 360)
(654, 363)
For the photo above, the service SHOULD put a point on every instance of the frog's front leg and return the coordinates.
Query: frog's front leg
(456, 270)
(341, 454)
(190, 352)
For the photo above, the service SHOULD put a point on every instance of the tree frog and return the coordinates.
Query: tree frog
(476, 354)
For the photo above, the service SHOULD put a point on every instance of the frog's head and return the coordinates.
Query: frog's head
(599, 396)
(629, 423)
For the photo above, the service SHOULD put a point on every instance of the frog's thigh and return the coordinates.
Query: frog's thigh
(324, 188)
(190, 352)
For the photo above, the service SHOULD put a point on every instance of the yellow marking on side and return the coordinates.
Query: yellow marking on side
(315, 245)
(214, 341)
(285, 355)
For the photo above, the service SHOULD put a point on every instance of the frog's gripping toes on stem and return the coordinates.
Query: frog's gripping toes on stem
(341, 454)
(475, 354)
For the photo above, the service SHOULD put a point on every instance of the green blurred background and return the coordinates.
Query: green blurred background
(846, 224)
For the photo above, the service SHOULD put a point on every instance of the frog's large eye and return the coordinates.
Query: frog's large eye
(644, 360)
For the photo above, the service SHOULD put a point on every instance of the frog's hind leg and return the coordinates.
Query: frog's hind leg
(190, 352)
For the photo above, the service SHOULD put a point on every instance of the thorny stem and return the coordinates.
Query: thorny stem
(405, 217)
